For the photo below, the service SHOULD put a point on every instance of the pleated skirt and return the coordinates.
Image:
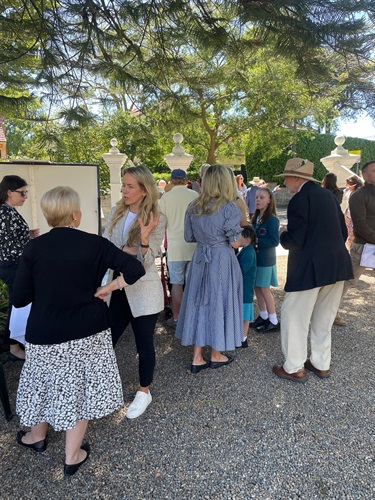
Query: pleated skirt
(62, 384)
(266, 277)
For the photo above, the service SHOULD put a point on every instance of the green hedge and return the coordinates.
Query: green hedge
(310, 146)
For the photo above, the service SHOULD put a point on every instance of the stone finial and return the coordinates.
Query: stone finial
(339, 141)
(114, 150)
(178, 149)
(178, 158)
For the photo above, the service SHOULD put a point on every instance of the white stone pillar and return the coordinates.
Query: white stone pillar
(340, 162)
(115, 160)
(178, 158)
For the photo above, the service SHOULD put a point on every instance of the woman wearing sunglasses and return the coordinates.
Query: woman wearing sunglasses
(14, 234)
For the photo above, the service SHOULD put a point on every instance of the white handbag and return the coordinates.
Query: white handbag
(368, 255)
(18, 321)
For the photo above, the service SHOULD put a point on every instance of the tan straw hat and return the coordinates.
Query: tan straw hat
(255, 181)
(298, 167)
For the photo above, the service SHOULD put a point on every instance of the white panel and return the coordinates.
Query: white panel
(42, 177)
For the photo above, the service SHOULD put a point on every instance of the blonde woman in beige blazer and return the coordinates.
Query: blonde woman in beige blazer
(136, 226)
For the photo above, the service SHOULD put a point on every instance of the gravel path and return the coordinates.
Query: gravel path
(234, 433)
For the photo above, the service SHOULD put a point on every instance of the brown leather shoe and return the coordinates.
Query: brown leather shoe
(339, 321)
(299, 376)
(319, 373)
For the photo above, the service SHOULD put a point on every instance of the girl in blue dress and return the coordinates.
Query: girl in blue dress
(266, 225)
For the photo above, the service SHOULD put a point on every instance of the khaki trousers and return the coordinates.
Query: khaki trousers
(356, 250)
(317, 307)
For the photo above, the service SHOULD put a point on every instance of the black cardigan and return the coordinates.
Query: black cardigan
(59, 273)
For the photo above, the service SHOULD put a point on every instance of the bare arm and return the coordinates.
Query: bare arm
(117, 284)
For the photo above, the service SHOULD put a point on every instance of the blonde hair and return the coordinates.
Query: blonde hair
(150, 203)
(59, 204)
(218, 187)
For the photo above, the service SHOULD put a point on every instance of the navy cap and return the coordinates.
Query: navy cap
(178, 174)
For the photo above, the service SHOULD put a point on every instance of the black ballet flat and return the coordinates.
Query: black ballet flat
(198, 368)
(39, 446)
(69, 470)
(219, 364)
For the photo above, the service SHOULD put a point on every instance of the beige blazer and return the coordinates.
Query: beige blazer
(146, 295)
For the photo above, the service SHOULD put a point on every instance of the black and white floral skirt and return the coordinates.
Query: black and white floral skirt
(64, 383)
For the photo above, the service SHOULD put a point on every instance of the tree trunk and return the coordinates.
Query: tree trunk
(294, 144)
(211, 156)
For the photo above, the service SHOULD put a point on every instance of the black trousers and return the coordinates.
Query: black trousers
(143, 329)
(8, 271)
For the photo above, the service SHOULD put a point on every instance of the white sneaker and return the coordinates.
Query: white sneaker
(139, 404)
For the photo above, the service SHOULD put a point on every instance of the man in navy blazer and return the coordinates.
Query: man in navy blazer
(318, 265)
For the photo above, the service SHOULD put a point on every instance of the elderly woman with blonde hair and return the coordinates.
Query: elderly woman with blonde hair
(136, 226)
(211, 310)
(70, 375)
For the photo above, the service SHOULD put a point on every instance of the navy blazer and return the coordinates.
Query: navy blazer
(315, 238)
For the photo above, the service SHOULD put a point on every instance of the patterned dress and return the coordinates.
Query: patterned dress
(211, 310)
(14, 235)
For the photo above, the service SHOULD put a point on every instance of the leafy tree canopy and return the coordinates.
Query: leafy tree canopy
(219, 71)
(54, 46)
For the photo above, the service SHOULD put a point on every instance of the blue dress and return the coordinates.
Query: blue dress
(211, 309)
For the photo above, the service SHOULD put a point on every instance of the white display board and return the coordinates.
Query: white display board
(42, 176)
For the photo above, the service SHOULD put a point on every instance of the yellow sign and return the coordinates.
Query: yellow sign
(355, 152)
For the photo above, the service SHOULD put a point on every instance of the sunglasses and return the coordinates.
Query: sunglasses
(22, 193)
